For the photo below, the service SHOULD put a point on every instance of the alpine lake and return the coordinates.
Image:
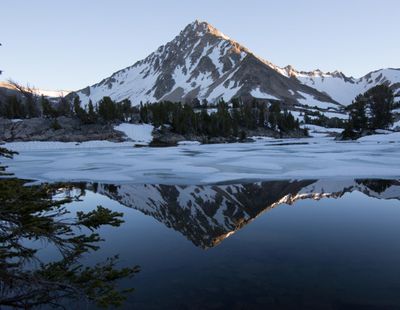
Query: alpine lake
(289, 242)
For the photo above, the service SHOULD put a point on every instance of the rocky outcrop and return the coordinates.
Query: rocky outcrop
(61, 129)
(67, 129)
(165, 137)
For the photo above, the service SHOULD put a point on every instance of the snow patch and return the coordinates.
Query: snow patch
(257, 93)
(137, 132)
(189, 143)
(310, 101)
(396, 125)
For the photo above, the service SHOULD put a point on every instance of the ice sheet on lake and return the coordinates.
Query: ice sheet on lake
(317, 157)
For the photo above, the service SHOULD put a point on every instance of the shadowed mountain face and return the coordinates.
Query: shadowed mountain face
(201, 62)
(208, 214)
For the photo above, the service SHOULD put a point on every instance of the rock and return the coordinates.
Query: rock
(166, 138)
(355, 135)
(42, 129)
(217, 140)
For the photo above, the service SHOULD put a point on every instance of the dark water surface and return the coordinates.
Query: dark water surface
(298, 244)
(308, 244)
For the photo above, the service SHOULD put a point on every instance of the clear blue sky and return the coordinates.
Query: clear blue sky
(71, 44)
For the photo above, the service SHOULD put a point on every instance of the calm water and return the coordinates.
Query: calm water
(308, 244)
(325, 243)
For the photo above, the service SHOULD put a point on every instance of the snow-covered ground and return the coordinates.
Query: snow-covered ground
(318, 157)
(56, 145)
(319, 131)
(137, 132)
(381, 138)
(396, 125)
(189, 143)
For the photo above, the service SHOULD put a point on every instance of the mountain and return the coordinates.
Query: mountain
(207, 214)
(7, 89)
(341, 88)
(201, 62)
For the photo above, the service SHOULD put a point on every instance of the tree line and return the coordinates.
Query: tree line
(222, 120)
(225, 119)
(26, 103)
(370, 111)
(319, 119)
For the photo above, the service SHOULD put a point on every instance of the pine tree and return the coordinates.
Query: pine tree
(357, 114)
(31, 106)
(144, 113)
(64, 107)
(380, 102)
(261, 115)
(235, 103)
(372, 110)
(79, 111)
(236, 121)
(92, 115)
(126, 110)
(274, 114)
(47, 109)
(290, 121)
(307, 119)
(108, 109)
(14, 108)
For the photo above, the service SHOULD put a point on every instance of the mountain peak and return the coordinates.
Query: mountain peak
(203, 63)
(200, 28)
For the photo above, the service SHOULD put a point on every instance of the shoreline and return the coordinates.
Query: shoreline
(71, 130)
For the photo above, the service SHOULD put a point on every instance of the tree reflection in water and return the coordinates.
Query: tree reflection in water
(31, 216)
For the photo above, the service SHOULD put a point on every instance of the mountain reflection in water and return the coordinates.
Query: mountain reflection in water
(207, 214)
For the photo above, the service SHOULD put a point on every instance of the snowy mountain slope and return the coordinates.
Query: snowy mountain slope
(341, 88)
(201, 62)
